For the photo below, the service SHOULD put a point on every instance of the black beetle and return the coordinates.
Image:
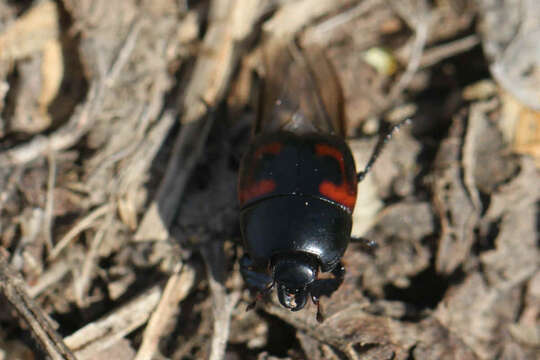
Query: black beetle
(297, 181)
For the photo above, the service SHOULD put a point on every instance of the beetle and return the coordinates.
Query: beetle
(298, 182)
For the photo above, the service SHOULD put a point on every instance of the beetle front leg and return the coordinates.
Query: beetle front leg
(327, 287)
(254, 279)
(263, 283)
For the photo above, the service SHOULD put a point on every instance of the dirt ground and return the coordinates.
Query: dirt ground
(122, 125)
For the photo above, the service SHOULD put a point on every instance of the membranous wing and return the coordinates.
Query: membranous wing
(301, 92)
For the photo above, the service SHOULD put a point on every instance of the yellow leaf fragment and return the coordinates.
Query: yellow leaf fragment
(381, 60)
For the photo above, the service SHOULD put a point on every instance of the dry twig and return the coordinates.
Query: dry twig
(105, 332)
(48, 219)
(436, 54)
(421, 24)
(82, 225)
(84, 280)
(222, 303)
(15, 292)
(317, 32)
(177, 288)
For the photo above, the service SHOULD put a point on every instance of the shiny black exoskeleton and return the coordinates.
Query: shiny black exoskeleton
(297, 182)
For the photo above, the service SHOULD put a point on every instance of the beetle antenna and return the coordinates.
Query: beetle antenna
(383, 140)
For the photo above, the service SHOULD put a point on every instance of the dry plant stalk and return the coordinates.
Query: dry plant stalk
(14, 290)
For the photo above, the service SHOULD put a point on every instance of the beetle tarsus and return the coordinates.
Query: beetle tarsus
(368, 246)
(383, 140)
(316, 301)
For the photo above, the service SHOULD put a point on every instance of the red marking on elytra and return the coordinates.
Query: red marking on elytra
(338, 193)
(256, 189)
(270, 148)
(344, 193)
(259, 188)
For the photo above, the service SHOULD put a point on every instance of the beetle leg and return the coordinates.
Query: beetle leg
(316, 301)
(254, 279)
(263, 283)
(367, 245)
(339, 273)
(383, 140)
(327, 287)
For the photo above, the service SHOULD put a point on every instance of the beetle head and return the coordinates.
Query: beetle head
(293, 274)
